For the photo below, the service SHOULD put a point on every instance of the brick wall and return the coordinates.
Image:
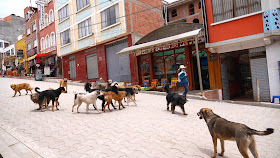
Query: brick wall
(144, 18)
(184, 13)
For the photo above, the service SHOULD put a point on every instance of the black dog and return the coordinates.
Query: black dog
(175, 99)
(88, 89)
(52, 95)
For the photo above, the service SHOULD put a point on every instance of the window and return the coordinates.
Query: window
(1, 45)
(26, 16)
(28, 46)
(12, 51)
(195, 21)
(174, 13)
(52, 39)
(51, 19)
(34, 27)
(47, 45)
(46, 20)
(110, 16)
(42, 43)
(199, 5)
(234, 8)
(191, 9)
(65, 37)
(85, 28)
(28, 31)
(63, 13)
(82, 3)
(35, 44)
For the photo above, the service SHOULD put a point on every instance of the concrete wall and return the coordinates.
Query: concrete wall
(9, 31)
(272, 55)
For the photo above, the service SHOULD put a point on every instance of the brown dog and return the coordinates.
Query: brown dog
(226, 130)
(109, 96)
(18, 87)
(63, 83)
(35, 98)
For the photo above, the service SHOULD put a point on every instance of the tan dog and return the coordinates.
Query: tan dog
(63, 83)
(226, 130)
(18, 87)
(109, 96)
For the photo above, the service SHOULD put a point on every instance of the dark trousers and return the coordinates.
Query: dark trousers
(186, 88)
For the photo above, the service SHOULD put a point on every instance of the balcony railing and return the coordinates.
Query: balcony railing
(51, 48)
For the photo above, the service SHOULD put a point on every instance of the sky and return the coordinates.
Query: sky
(16, 7)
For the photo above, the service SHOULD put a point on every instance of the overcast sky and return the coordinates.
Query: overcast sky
(16, 7)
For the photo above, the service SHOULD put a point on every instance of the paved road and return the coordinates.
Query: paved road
(146, 130)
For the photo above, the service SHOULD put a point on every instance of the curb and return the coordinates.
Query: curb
(191, 96)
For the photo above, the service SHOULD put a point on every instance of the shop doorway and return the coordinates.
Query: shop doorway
(236, 76)
(204, 70)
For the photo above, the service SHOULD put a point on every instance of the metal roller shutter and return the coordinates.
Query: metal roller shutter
(259, 70)
(92, 66)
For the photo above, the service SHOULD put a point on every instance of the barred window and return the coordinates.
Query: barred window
(191, 9)
(225, 9)
(65, 37)
(110, 16)
(63, 13)
(174, 13)
(82, 3)
(85, 28)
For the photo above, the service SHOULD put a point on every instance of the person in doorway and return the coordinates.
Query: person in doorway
(182, 78)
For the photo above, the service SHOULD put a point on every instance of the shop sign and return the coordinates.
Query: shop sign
(271, 20)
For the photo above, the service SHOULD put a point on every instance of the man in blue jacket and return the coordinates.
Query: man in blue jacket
(182, 78)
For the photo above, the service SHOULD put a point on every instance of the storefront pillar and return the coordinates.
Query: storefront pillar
(198, 65)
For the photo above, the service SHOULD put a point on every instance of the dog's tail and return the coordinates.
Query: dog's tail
(36, 90)
(166, 88)
(261, 133)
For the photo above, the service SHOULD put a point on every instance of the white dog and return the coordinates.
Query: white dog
(89, 98)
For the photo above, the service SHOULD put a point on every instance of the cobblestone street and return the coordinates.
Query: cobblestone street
(145, 130)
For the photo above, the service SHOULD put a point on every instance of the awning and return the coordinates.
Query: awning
(32, 57)
(180, 37)
(42, 54)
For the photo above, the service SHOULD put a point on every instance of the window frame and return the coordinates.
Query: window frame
(52, 37)
(33, 27)
(35, 43)
(191, 9)
(82, 4)
(29, 44)
(51, 16)
(61, 11)
(28, 31)
(110, 19)
(174, 13)
(63, 35)
(82, 28)
(42, 43)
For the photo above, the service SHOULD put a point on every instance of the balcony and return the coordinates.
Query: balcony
(50, 49)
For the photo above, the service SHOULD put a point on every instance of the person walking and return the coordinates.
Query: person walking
(182, 78)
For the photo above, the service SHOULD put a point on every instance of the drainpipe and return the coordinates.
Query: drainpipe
(198, 65)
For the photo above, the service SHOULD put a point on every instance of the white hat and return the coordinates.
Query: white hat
(182, 67)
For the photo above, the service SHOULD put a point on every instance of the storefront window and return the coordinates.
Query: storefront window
(170, 67)
(144, 70)
(180, 50)
(180, 60)
(159, 68)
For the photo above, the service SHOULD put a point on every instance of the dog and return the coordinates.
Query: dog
(101, 84)
(136, 88)
(226, 130)
(116, 95)
(53, 95)
(35, 98)
(89, 98)
(63, 83)
(101, 97)
(175, 99)
(18, 87)
(130, 92)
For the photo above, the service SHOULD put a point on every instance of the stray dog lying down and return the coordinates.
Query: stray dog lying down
(226, 130)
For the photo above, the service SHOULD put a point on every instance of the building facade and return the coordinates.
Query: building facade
(48, 46)
(32, 36)
(91, 32)
(243, 34)
(188, 11)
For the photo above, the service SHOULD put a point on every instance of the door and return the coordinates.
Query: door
(259, 70)
(92, 67)
(72, 67)
(118, 65)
